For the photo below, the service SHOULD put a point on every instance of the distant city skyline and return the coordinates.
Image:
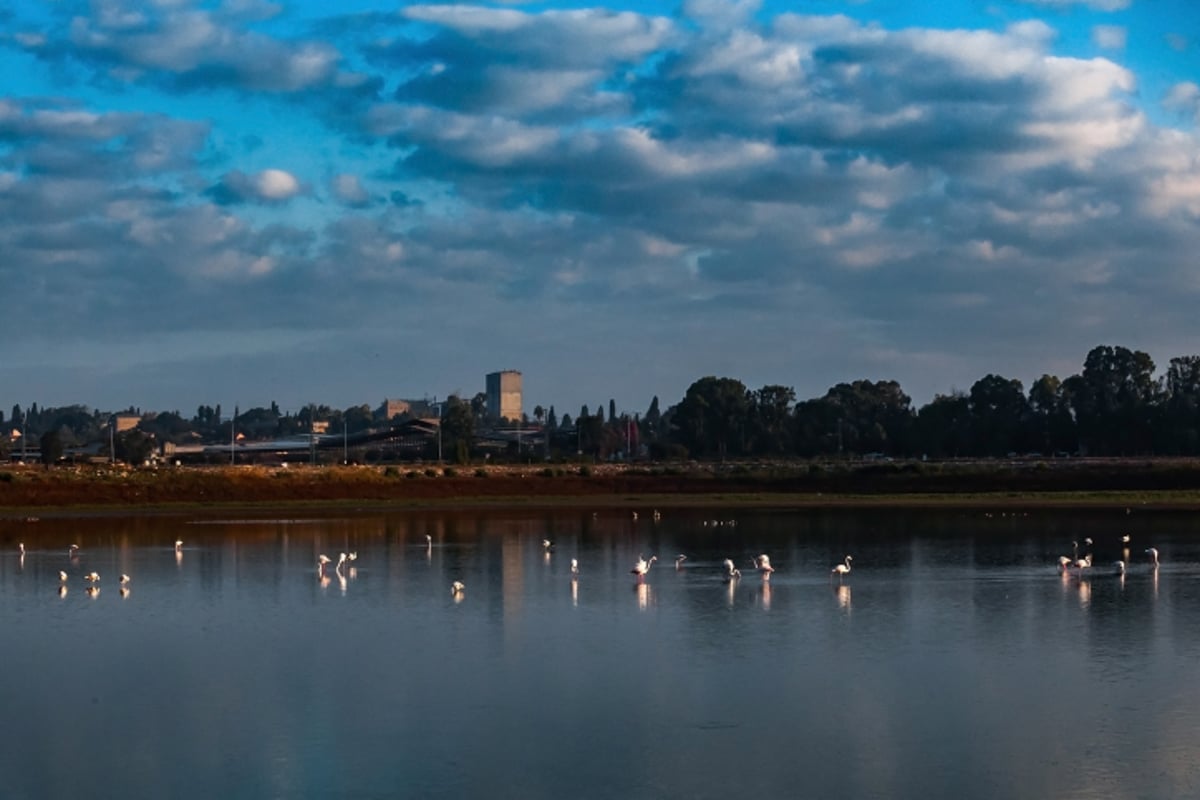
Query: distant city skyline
(245, 202)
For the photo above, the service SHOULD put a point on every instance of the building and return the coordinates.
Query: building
(126, 421)
(393, 408)
(504, 395)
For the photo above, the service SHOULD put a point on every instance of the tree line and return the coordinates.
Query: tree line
(1114, 406)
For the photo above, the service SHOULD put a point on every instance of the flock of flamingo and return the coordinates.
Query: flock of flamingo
(91, 578)
(1118, 567)
(761, 563)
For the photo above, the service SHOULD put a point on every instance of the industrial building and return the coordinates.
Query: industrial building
(504, 395)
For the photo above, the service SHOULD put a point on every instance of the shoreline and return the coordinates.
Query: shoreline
(113, 490)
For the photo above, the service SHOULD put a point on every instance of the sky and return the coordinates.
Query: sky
(245, 202)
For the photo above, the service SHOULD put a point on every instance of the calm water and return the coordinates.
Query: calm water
(953, 660)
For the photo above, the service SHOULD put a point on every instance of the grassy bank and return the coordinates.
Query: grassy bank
(1166, 483)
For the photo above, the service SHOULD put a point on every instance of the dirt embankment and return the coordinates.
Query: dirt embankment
(1171, 482)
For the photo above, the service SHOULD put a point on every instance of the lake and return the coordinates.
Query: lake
(953, 660)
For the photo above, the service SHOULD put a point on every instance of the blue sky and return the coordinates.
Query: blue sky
(250, 201)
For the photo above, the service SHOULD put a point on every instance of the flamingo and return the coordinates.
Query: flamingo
(341, 560)
(643, 566)
(179, 545)
(457, 587)
(547, 545)
(574, 567)
(72, 550)
(763, 565)
(1125, 539)
(679, 559)
(1153, 553)
(731, 571)
(62, 576)
(21, 548)
(843, 569)
(1064, 563)
(124, 578)
(1083, 563)
(1119, 568)
(428, 540)
(322, 560)
(352, 556)
(92, 577)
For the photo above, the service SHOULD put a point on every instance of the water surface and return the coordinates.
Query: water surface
(953, 660)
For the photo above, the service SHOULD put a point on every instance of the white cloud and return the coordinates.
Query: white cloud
(1110, 37)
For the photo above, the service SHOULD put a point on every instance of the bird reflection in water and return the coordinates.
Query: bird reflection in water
(341, 581)
(643, 596)
(574, 591)
(62, 590)
(93, 591)
(731, 587)
(1085, 593)
(842, 593)
(766, 593)
(123, 591)
(323, 580)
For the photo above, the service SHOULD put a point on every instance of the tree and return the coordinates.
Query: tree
(539, 413)
(1180, 416)
(999, 412)
(772, 419)
(943, 426)
(133, 446)
(712, 417)
(51, 446)
(1114, 401)
(1051, 424)
(458, 428)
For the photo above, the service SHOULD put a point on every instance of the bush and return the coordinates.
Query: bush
(547, 473)
(431, 473)
(391, 472)
(480, 472)
(6, 477)
(585, 471)
(450, 472)
(412, 473)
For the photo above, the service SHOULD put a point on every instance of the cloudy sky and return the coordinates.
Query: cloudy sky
(245, 201)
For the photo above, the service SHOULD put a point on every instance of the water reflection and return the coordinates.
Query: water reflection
(958, 626)
(842, 593)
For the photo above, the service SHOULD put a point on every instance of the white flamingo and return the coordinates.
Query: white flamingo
(1083, 563)
(21, 548)
(341, 560)
(179, 545)
(124, 579)
(679, 559)
(547, 545)
(643, 566)
(1119, 568)
(322, 560)
(843, 569)
(457, 587)
(1153, 553)
(62, 576)
(731, 571)
(574, 567)
(428, 540)
(763, 565)
(92, 577)
(1064, 563)
(72, 550)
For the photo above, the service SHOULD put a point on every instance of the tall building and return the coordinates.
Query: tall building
(504, 395)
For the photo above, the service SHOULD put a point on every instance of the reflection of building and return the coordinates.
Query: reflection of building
(504, 395)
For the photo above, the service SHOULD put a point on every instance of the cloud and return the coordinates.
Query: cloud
(349, 191)
(186, 46)
(1095, 5)
(269, 186)
(1109, 37)
(1184, 97)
